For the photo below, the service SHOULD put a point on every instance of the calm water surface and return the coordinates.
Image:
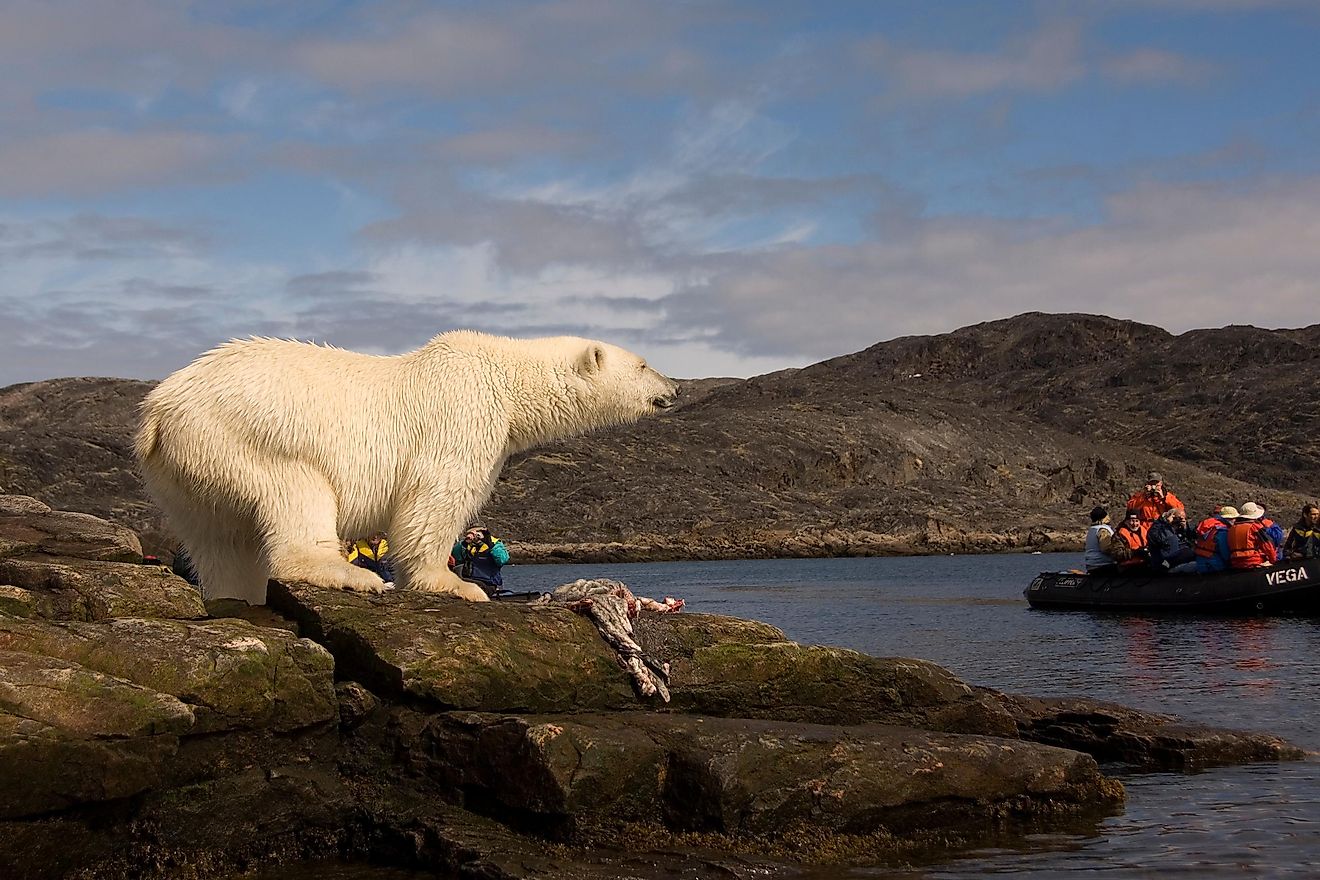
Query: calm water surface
(967, 613)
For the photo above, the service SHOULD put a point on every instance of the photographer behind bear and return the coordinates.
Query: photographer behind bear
(477, 557)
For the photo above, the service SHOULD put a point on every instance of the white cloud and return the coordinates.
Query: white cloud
(695, 180)
(1044, 61)
(1047, 60)
(1175, 256)
(92, 161)
(583, 44)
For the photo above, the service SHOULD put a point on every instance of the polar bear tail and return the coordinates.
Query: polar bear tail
(148, 436)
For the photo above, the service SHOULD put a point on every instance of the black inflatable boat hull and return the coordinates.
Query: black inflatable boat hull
(1287, 588)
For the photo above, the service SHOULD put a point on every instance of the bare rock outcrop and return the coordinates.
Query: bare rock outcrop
(142, 736)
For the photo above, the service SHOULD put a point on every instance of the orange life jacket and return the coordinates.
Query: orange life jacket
(1135, 540)
(1149, 507)
(1206, 536)
(1248, 547)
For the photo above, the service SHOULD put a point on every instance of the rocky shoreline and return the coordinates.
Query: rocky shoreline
(146, 734)
(800, 544)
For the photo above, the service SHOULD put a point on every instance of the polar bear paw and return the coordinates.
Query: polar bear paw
(363, 586)
(453, 585)
(328, 574)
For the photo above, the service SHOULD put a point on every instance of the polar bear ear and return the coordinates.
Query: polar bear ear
(592, 360)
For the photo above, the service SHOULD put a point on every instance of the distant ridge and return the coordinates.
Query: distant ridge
(996, 436)
(1239, 401)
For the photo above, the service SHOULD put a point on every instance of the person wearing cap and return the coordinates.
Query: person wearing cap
(1304, 539)
(1132, 532)
(1212, 541)
(1099, 557)
(1169, 544)
(1249, 546)
(1153, 499)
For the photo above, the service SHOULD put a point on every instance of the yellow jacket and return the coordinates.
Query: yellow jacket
(363, 548)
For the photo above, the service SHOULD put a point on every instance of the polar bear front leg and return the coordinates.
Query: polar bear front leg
(301, 538)
(425, 526)
(445, 581)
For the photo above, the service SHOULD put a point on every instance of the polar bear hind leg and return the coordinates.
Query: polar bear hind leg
(221, 547)
(297, 514)
(228, 563)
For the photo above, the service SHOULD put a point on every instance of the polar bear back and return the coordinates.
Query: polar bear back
(343, 413)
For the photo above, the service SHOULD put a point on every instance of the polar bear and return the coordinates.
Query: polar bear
(264, 452)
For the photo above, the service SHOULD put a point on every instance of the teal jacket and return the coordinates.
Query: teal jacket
(481, 563)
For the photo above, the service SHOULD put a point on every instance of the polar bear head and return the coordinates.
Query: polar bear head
(591, 384)
(616, 384)
(561, 386)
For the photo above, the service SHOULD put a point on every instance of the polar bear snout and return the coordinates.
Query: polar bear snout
(666, 398)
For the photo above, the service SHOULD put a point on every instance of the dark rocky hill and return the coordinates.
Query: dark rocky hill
(1239, 401)
(994, 436)
(70, 442)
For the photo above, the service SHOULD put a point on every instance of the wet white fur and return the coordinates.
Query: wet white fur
(264, 452)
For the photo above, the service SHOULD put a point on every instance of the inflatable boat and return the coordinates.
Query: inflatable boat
(1291, 587)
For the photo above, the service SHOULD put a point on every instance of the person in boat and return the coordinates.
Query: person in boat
(1215, 520)
(1212, 542)
(1272, 529)
(1132, 532)
(1249, 546)
(1304, 539)
(1169, 544)
(1099, 558)
(371, 553)
(1153, 499)
(478, 557)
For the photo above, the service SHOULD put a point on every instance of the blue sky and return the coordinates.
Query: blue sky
(727, 188)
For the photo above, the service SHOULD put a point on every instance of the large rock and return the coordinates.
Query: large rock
(233, 674)
(71, 566)
(452, 654)
(758, 778)
(84, 702)
(1145, 740)
(739, 669)
(26, 528)
(60, 588)
(140, 738)
(69, 735)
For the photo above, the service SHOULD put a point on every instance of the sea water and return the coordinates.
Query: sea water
(967, 613)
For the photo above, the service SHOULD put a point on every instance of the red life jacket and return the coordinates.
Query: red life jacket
(1247, 546)
(1205, 537)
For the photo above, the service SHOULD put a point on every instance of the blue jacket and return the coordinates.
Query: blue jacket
(1167, 546)
(1218, 562)
(1276, 535)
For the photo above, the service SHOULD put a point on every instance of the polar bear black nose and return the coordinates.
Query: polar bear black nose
(665, 401)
